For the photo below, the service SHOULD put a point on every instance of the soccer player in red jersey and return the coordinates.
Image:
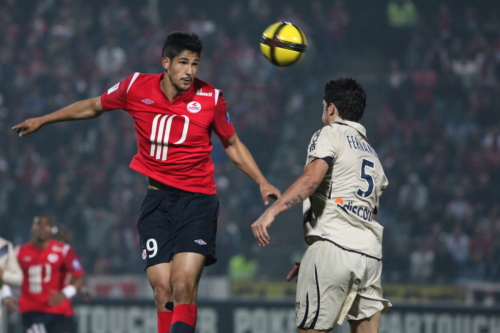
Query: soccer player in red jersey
(175, 114)
(45, 301)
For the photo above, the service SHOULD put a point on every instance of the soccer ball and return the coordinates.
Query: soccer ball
(283, 44)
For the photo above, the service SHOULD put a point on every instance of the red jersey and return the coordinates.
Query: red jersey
(45, 272)
(173, 138)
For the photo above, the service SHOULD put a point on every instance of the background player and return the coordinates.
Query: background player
(174, 115)
(10, 273)
(45, 300)
(340, 187)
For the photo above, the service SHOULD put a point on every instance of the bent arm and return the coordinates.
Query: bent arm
(81, 110)
(12, 275)
(302, 188)
(239, 154)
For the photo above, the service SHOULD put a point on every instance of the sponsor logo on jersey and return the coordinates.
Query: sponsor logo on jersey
(76, 264)
(147, 101)
(27, 258)
(56, 248)
(144, 254)
(52, 257)
(314, 139)
(200, 241)
(194, 107)
(349, 207)
(113, 88)
(200, 92)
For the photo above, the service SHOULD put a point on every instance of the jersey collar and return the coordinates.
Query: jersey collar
(357, 126)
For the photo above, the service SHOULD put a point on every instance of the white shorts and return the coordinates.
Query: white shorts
(334, 284)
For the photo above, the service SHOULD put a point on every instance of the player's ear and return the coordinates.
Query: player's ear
(332, 110)
(165, 61)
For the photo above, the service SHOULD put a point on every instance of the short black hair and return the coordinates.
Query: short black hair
(348, 96)
(178, 42)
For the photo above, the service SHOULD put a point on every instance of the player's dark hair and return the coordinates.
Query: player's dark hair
(348, 96)
(40, 216)
(178, 42)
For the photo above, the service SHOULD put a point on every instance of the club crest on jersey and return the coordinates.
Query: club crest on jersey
(228, 119)
(194, 107)
(362, 212)
(113, 88)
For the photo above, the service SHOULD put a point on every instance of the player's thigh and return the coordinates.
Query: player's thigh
(369, 299)
(367, 325)
(63, 324)
(159, 275)
(195, 225)
(155, 229)
(185, 275)
(35, 322)
(327, 283)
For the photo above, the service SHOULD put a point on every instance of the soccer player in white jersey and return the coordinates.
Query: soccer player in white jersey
(340, 187)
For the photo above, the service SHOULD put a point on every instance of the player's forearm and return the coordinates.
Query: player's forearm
(81, 110)
(12, 278)
(300, 190)
(241, 157)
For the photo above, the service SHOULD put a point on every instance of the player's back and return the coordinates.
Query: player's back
(345, 202)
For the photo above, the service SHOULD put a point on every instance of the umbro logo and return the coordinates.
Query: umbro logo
(147, 101)
(200, 241)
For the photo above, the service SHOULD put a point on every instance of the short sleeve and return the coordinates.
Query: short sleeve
(323, 145)
(222, 123)
(72, 264)
(116, 96)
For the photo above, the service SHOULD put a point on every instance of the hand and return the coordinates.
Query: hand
(1, 273)
(28, 126)
(294, 271)
(10, 304)
(268, 190)
(56, 298)
(260, 227)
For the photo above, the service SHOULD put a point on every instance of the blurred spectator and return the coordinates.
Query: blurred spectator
(422, 263)
(457, 243)
(110, 58)
(412, 195)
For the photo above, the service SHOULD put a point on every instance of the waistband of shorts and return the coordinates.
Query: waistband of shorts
(166, 191)
(349, 250)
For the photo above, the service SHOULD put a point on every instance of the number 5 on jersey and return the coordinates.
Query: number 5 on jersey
(367, 177)
(160, 135)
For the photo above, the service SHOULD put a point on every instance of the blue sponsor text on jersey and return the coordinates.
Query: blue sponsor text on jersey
(354, 143)
(363, 212)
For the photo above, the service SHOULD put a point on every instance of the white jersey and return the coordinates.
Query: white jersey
(12, 273)
(342, 207)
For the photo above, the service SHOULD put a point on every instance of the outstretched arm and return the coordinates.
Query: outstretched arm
(241, 157)
(85, 109)
(301, 189)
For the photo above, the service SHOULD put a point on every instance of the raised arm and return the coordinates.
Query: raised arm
(85, 109)
(241, 157)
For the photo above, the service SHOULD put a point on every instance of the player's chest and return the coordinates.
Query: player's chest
(40, 263)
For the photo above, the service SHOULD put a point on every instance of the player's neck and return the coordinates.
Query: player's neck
(41, 244)
(169, 89)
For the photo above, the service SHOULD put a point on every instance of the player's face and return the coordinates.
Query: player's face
(182, 69)
(42, 228)
(324, 119)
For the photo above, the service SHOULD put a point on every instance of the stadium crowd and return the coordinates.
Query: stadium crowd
(437, 134)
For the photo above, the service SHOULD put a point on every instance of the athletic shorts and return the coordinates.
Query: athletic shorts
(335, 283)
(173, 221)
(41, 322)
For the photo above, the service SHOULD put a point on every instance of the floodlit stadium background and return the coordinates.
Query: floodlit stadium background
(432, 74)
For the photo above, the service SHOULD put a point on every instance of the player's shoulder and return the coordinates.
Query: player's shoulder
(57, 246)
